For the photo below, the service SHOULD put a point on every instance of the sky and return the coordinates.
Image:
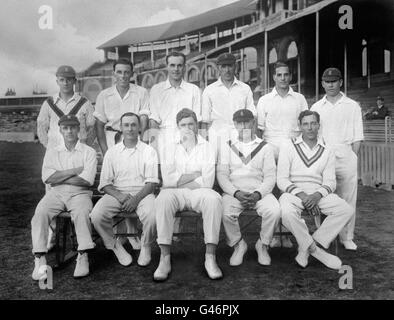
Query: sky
(30, 55)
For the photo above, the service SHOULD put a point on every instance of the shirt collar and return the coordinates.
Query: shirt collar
(167, 84)
(137, 147)
(343, 97)
(200, 139)
(62, 146)
(290, 92)
(219, 82)
(114, 91)
(57, 98)
(320, 141)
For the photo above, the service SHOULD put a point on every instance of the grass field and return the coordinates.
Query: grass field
(21, 189)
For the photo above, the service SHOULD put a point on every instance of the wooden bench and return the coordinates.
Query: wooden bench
(65, 233)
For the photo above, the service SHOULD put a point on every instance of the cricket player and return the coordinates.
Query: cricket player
(246, 172)
(70, 169)
(128, 178)
(342, 129)
(306, 175)
(187, 185)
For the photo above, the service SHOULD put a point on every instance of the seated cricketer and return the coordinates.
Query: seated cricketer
(188, 173)
(247, 174)
(69, 169)
(306, 175)
(128, 178)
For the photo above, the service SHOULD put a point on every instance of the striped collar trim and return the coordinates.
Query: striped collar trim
(247, 159)
(308, 161)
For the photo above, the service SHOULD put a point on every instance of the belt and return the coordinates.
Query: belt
(112, 129)
(118, 134)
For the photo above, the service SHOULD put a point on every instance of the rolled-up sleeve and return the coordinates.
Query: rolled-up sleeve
(249, 102)
(151, 164)
(358, 134)
(197, 103)
(261, 113)
(89, 166)
(283, 173)
(107, 172)
(206, 106)
(43, 120)
(49, 165)
(144, 108)
(329, 178)
(154, 104)
(269, 172)
(208, 167)
(99, 111)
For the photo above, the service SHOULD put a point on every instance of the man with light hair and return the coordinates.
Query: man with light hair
(187, 185)
(342, 129)
(306, 176)
(65, 102)
(246, 172)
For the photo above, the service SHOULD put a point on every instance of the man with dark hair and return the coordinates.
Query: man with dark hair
(379, 112)
(277, 114)
(246, 172)
(70, 169)
(277, 111)
(222, 98)
(342, 129)
(128, 178)
(188, 178)
(306, 176)
(111, 103)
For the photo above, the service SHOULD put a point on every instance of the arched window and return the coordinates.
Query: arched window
(192, 75)
(292, 61)
(272, 59)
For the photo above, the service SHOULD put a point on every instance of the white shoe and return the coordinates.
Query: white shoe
(164, 269)
(238, 255)
(123, 256)
(286, 242)
(302, 258)
(135, 242)
(349, 245)
(82, 267)
(329, 260)
(51, 239)
(212, 267)
(145, 256)
(39, 272)
(262, 254)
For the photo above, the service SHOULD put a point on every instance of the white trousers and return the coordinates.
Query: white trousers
(338, 213)
(205, 201)
(108, 207)
(267, 208)
(50, 206)
(346, 173)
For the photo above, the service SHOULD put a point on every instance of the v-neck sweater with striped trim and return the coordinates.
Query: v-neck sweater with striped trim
(303, 169)
(252, 170)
